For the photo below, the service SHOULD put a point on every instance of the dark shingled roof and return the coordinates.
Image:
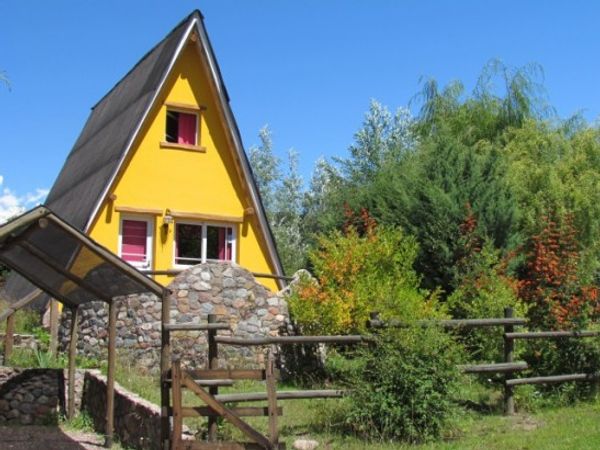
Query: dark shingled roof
(106, 137)
(107, 132)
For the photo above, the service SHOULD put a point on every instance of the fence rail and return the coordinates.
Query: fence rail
(211, 378)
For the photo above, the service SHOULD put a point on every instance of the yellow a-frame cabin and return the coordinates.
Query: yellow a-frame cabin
(159, 174)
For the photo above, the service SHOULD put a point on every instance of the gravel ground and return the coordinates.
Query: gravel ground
(47, 438)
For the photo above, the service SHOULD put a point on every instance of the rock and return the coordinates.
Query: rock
(228, 282)
(239, 303)
(202, 286)
(305, 444)
(205, 276)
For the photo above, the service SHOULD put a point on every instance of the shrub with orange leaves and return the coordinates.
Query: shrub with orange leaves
(550, 282)
(357, 273)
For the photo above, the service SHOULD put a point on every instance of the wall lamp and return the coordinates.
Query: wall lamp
(167, 218)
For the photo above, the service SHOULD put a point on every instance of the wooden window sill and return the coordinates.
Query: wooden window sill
(188, 147)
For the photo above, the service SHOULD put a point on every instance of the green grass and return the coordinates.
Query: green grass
(568, 427)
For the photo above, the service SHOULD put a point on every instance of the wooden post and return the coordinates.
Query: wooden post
(509, 347)
(272, 396)
(177, 412)
(54, 328)
(113, 307)
(72, 355)
(9, 337)
(213, 363)
(165, 364)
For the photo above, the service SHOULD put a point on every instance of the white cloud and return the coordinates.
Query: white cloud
(12, 204)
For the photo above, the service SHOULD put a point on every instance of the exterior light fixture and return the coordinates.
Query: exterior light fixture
(167, 218)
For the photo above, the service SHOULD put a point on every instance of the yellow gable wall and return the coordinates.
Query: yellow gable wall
(183, 180)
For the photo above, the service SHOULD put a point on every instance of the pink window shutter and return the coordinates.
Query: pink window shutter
(229, 245)
(187, 129)
(222, 245)
(133, 245)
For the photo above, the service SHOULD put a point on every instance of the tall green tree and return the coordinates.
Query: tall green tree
(282, 194)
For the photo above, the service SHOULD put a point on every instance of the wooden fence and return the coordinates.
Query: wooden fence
(508, 368)
(205, 384)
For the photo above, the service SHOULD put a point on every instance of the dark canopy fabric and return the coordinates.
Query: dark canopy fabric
(65, 263)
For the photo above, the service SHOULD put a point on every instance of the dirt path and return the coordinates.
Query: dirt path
(47, 438)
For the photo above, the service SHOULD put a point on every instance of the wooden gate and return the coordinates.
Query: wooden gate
(198, 380)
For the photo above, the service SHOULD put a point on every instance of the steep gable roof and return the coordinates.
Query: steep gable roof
(114, 123)
(109, 131)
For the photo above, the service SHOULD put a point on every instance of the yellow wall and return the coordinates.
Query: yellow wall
(184, 180)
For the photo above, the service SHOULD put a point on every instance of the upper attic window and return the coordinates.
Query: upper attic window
(182, 127)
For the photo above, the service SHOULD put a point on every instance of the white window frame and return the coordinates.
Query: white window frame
(149, 240)
(204, 245)
(185, 111)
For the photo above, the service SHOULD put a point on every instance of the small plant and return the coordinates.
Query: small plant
(81, 422)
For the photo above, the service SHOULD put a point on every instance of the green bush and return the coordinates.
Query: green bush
(402, 387)
(483, 292)
(357, 273)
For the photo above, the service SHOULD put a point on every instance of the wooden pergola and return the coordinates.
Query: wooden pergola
(64, 263)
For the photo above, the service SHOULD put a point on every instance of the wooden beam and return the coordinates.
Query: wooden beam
(290, 340)
(213, 364)
(12, 308)
(552, 334)
(554, 379)
(271, 276)
(281, 395)
(177, 412)
(196, 326)
(229, 374)
(9, 337)
(509, 350)
(209, 217)
(452, 323)
(54, 317)
(72, 356)
(137, 210)
(165, 362)
(226, 413)
(110, 376)
(271, 383)
(248, 411)
(494, 368)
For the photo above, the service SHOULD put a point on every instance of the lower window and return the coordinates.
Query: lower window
(197, 243)
(135, 242)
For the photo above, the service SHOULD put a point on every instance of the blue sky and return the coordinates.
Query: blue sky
(307, 68)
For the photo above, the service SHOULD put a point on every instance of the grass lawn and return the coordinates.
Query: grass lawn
(574, 427)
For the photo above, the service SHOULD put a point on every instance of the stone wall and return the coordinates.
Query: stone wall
(224, 289)
(137, 421)
(31, 396)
